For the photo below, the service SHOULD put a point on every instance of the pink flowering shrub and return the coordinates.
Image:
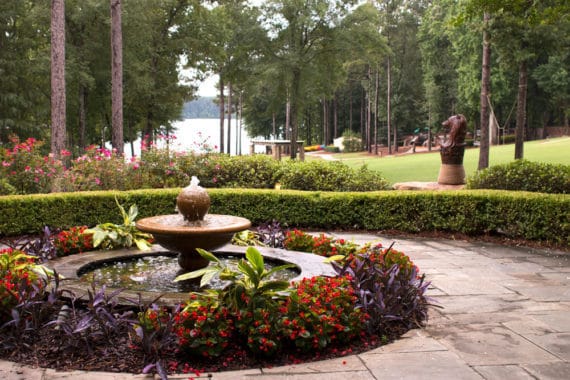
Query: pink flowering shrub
(96, 169)
(27, 170)
(159, 167)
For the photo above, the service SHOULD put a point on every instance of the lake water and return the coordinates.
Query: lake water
(192, 134)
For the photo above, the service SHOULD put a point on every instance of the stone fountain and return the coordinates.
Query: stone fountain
(177, 234)
(193, 227)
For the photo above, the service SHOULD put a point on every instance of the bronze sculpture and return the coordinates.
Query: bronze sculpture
(452, 151)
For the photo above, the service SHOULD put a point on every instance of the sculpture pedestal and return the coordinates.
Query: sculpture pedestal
(451, 174)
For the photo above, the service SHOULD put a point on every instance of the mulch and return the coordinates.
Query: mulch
(119, 356)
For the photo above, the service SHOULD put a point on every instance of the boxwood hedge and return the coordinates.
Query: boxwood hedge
(531, 216)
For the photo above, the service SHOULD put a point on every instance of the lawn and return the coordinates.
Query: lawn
(425, 166)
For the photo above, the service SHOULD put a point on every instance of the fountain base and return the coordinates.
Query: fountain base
(71, 267)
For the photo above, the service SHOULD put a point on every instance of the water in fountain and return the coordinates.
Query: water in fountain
(157, 274)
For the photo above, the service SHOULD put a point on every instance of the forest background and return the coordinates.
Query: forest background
(308, 70)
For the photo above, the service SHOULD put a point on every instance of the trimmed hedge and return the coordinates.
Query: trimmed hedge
(530, 216)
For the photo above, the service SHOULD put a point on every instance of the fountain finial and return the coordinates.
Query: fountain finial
(193, 201)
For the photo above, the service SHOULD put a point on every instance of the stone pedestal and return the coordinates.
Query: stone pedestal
(451, 171)
(451, 174)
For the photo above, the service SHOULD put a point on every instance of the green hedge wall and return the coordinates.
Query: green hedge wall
(532, 216)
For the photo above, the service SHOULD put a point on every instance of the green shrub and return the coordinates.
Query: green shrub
(25, 171)
(525, 176)
(508, 139)
(329, 176)
(351, 142)
(254, 171)
(6, 188)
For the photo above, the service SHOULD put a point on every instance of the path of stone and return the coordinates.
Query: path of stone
(506, 315)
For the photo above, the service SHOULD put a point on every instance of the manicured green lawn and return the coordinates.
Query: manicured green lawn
(425, 166)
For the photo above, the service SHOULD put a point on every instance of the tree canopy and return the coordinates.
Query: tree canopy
(305, 70)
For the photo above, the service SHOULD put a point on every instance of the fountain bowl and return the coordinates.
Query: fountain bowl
(178, 235)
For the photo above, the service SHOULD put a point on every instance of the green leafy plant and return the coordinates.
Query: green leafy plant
(250, 283)
(251, 297)
(247, 238)
(126, 235)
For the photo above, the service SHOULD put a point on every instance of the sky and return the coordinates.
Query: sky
(208, 87)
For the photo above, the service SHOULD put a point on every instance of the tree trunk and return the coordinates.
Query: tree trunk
(239, 123)
(389, 104)
(82, 117)
(367, 123)
(58, 101)
(288, 118)
(325, 122)
(117, 140)
(521, 111)
(368, 114)
(274, 125)
(485, 89)
(335, 116)
(222, 100)
(229, 116)
(295, 89)
(362, 120)
(350, 111)
(376, 86)
(395, 129)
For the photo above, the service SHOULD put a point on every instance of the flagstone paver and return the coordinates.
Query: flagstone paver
(505, 314)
